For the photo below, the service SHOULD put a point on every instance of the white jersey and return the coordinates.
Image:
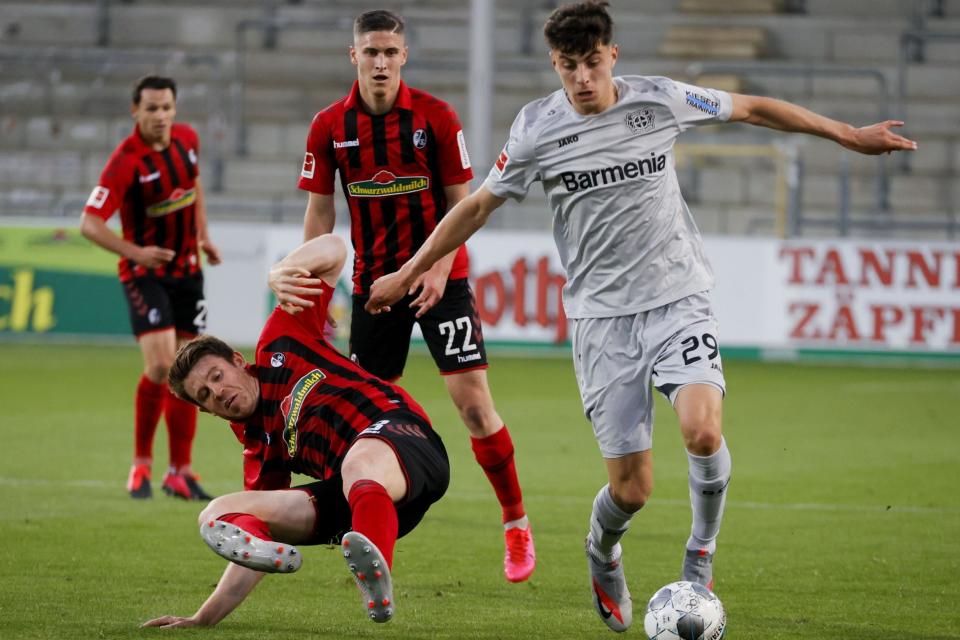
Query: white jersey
(626, 238)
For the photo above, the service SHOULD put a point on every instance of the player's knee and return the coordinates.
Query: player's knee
(157, 372)
(703, 439)
(212, 511)
(631, 496)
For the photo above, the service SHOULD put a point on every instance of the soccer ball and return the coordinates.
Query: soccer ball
(685, 611)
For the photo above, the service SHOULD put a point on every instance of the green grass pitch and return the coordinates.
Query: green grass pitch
(843, 519)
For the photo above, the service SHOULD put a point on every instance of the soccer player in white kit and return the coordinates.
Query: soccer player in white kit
(638, 280)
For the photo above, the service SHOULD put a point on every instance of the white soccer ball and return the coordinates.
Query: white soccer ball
(685, 611)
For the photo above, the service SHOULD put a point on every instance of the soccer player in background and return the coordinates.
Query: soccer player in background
(638, 280)
(152, 179)
(402, 161)
(302, 407)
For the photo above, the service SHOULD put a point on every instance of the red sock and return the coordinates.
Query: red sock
(148, 405)
(495, 455)
(181, 427)
(374, 515)
(249, 523)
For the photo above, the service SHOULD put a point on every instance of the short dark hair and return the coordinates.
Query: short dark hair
(578, 28)
(378, 20)
(187, 358)
(153, 82)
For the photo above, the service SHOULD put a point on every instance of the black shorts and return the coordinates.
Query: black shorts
(379, 343)
(423, 459)
(160, 303)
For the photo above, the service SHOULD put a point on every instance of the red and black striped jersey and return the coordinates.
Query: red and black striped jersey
(393, 168)
(155, 192)
(313, 401)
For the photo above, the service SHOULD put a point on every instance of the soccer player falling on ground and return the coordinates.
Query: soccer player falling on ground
(302, 407)
(402, 161)
(153, 179)
(638, 280)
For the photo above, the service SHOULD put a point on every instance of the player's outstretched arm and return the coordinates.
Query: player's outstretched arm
(296, 278)
(461, 222)
(235, 585)
(784, 116)
(431, 284)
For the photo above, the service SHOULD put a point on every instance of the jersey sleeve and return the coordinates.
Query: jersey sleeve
(319, 164)
(692, 105)
(194, 139)
(106, 197)
(452, 146)
(515, 169)
(312, 320)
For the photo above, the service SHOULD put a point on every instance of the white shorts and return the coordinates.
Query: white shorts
(618, 359)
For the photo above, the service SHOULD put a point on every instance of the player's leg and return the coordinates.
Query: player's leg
(690, 373)
(454, 335)
(698, 408)
(613, 374)
(190, 318)
(257, 529)
(398, 460)
(151, 319)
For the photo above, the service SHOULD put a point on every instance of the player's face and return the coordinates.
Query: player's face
(378, 56)
(588, 78)
(154, 115)
(223, 388)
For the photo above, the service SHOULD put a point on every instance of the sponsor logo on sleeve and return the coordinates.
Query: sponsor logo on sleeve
(98, 197)
(419, 138)
(292, 405)
(384, 183)
(703, 103)
(640, 121)
(462, 145)
(309, 165)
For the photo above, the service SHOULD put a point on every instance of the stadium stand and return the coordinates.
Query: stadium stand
(253, 73)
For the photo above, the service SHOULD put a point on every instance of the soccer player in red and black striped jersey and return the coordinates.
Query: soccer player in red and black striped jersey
(152, 179)
(402, 163)
(302, 407)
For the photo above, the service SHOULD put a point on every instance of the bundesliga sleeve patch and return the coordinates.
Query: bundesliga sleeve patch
(462, 145)
(98, 197)
(309, 166)
(502, 161)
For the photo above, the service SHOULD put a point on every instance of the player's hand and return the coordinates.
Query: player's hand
(293, 287)
(173, 622)
(431, 285)
(211, 251)
(878, 138)
(384, 292)
(153, 256)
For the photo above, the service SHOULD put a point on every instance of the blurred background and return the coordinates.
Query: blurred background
(792, 221)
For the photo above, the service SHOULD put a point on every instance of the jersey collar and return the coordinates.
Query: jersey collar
(403, 101)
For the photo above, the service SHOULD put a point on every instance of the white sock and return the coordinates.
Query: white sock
(608, 523)
(709, 476)
(519, 523)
